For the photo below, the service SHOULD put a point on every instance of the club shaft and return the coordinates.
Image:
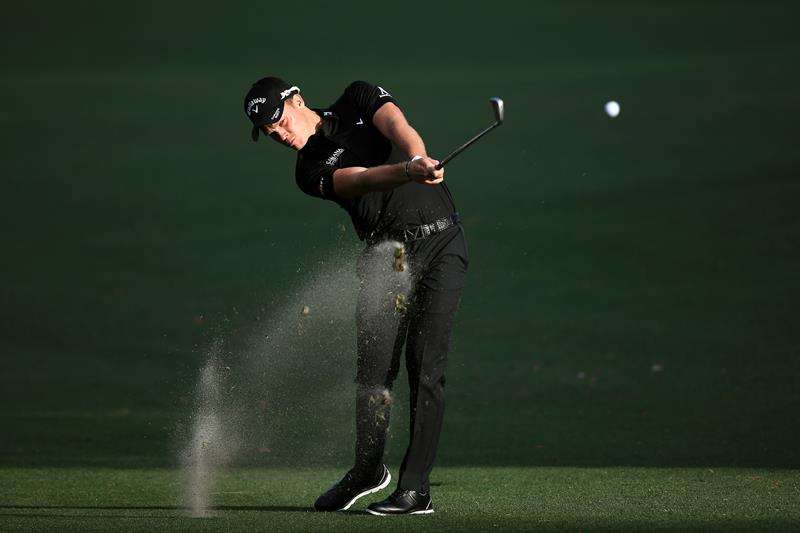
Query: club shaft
(466, 145)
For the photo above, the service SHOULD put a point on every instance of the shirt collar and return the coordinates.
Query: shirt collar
(326, 129)
(329, 121)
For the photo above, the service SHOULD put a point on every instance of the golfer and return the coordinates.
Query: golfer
(345, 155)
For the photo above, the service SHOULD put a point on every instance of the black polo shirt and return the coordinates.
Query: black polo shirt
(348, 138)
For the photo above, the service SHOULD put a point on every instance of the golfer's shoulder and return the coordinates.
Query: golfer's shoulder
(308, 170)
(314, 175)
(353, 94)
(359, 86)
(308, 159)
(364, 96)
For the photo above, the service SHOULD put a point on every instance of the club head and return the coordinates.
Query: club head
(497, 107)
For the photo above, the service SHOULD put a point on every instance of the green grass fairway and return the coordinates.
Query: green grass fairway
(471, 499)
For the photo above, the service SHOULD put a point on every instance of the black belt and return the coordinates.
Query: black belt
(425, 230)
(415, 233)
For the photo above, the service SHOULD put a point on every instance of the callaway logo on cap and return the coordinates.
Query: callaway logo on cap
(263, 103)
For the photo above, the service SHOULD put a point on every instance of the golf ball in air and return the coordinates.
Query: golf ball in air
(612, 109)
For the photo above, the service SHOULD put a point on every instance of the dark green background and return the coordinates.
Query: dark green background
(133, 202)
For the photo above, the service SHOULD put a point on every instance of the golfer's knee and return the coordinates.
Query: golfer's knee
(432, 382)
(375, 395)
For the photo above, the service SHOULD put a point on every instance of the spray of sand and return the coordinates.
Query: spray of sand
(283, 393)
(211, 445)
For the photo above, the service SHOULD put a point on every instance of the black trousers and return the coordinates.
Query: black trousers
(414, 308)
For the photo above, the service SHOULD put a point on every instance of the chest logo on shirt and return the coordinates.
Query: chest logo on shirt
(334, 157)
(360, 122)
(383, 92)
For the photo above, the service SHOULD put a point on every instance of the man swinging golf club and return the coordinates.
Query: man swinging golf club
(344, 156)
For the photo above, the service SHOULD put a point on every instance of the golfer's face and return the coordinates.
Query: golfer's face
(285, 131)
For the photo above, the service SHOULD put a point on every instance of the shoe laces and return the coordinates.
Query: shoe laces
(399, 494)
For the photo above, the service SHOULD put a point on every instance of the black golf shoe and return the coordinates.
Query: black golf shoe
(352, 487)
(403, 502)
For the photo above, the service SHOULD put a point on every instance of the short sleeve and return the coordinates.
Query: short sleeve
(315, 178)
(367, 98)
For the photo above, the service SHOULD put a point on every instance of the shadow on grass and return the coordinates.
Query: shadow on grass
(244, 508)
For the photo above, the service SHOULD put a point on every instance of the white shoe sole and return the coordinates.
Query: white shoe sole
(373, 490)
(376, 513)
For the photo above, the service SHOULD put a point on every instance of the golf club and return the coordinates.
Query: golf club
(497, 108)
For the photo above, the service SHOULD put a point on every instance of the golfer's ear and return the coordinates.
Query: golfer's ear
(296, 100)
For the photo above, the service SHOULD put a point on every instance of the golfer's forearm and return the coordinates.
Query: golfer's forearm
(350, 183)
(407, 139)
(392, 123)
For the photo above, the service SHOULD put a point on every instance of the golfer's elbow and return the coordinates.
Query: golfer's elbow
(351, 182)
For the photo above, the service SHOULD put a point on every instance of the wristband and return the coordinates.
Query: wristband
(411, 161)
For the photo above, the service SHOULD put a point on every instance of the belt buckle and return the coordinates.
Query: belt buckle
(426, 230)
(409, 235)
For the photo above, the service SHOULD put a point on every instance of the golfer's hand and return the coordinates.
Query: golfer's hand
(423, 170)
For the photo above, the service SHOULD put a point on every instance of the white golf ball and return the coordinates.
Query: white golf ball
(612, 109)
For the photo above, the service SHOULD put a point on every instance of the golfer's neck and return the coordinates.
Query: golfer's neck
(314, 120)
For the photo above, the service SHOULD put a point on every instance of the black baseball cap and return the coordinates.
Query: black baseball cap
(263, 103)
